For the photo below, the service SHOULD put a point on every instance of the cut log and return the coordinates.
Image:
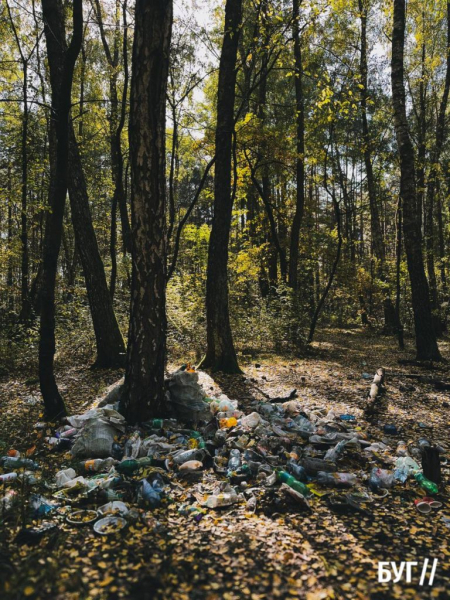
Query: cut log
(376, 389)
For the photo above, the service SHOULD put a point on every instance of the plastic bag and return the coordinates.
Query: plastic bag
(96, 440)
(187, 397)
(63, 477)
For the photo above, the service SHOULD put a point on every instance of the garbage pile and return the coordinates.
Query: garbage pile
(279, 452)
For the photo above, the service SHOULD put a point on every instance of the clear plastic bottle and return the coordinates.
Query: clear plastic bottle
(8, 500)
(402, 449)
(132, 445)
(8, 477)
(11, 462)
(223, 499)
(297, 471)
(234, 461)
(336, 479)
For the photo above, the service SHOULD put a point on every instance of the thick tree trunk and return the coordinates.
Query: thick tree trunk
(300, 148)
(427, 348)
(144, 375)
(220, 353)
(61, 83)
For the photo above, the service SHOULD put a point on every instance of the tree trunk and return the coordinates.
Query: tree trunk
(109, 340)
(61, 83)
(427, 348)
(117, 118)
(431, 188)
(220, 353)
(144, 375)
(300, 148)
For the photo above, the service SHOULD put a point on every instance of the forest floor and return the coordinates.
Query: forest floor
(280, 551)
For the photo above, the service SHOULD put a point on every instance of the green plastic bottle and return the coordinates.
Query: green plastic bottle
(298, 486)
(129, 466)
(426, 484)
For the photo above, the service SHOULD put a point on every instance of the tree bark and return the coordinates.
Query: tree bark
(300, 148)
(117, 118)
(431, 188)
(109, 341)
(427, 348)
(220, 353)
(61, 100)
(144, 375)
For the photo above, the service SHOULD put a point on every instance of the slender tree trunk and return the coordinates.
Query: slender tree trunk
(144, 375)
(427, 348)
(117, 118)
(109, 341)
(300, 148)
(9, 275)
(220, 353)
(431, 188)
(61, 100)
(25, 300)
(398, 262)
(323, 297)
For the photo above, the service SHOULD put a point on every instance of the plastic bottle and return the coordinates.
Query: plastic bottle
(298, 486)
(347, 417)
(390, 429)
(129, 466)
(98, 464)
(426, 484)
(8, 500)
(11, 462)
(402, 449)
(184, 456)
(8, 477)
(297, 471)
(336, 479)
(234, 461)
(59, 443)
(223, 499)
(68, 433)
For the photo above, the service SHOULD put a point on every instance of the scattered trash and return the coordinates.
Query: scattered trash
(279, 452)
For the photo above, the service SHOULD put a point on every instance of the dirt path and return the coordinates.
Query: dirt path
(278, 552)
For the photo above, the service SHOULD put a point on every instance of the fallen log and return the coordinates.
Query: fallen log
(376, 389)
